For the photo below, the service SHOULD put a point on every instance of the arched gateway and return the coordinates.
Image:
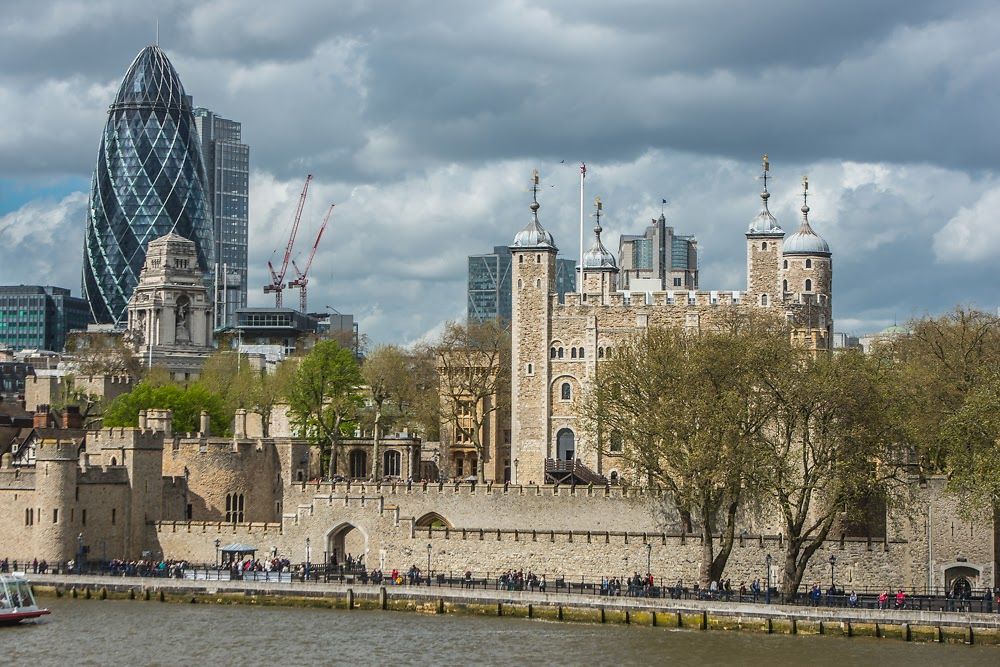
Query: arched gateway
(347, 540)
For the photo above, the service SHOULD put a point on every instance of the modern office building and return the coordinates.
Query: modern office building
(227, 166)
(658, 259)
(489, 295)
(149, 182)
(39, 316)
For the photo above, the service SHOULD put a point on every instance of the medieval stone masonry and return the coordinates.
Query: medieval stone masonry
(148, 491)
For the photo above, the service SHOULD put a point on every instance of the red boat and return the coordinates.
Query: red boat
(17, 602)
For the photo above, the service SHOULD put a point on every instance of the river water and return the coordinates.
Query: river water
(151, 633)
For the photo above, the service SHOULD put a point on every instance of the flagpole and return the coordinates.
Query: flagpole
(579, 267)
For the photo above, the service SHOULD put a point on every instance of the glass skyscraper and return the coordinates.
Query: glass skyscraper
(39, 317)
(489, 294)
(149, 181)
(227, 165)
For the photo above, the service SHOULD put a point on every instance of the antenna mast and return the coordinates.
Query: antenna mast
(579, 268)
(277, 283)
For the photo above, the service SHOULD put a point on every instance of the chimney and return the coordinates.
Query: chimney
(160, 420)
(143, 425)
(71, 417)
(41, 419)
(240, 427)
(206, 424)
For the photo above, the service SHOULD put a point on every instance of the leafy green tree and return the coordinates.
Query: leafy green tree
(325, 397)
(243, 386)
(685, 411)
(972, 438)
(185, 403)
(829, 448)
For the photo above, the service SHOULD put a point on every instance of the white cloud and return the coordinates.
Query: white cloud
(973, 234)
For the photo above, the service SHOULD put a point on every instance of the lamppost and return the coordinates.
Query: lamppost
(79, 552)
(833, 560)
(428, 563)
(649, 554)
(515, 471)
(307, 558)
(767, 590)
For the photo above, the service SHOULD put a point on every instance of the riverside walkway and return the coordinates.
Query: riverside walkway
(906, 624)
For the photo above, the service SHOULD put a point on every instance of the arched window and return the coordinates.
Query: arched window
(560, 353)
(538, 259)
(391, 463)
(608, 352)
(763, 299)
(572, 353)
(359, 464)
(616, 442)
(763, 245)
(531, 369)
(565, 444)
(580, 353)
(520, 259)
(520, 283)
(552, 353)
(784, 264)
(538, 282)
(566, 392)
(809, 263)
(614, 476)
(600, 353)
(809, 285)
(784, 285)
(114, 462)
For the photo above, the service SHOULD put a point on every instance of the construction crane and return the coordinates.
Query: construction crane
(277, 284)
(303, 275)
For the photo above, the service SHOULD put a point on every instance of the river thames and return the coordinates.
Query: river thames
(149, 633)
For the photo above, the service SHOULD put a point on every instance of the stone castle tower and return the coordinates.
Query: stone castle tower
(558, 345)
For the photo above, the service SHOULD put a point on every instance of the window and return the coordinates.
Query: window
(572, 352)
(83, 517)
(580, 353)
(566, 392)
(520, 283)
(677, 282)
(359, 464)
(784, 264)
(809, 285)
(55, 516)
(607, 351)
(552, 353)
(763, 299)
(763, 245)
(538, 282)
(560, 353)
(114, 515)
(809, 263)
(616, 442)
(234, 508)
(520, 259)
(784, 285)
(538, 259)
(391, 463)
(600, 353)
(531, 369)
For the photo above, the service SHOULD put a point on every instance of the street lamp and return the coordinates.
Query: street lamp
(515, 471)
(833, 560)
(79, 551)
(649, 553)
(767, 590)
(428, 563)
(217, 543)
(307, 558)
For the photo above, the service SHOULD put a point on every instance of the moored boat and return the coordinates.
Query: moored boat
(17, 602)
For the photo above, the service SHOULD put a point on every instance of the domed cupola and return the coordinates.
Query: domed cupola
(598, 257)
(764, 223)
(805, 241)
(533, 235)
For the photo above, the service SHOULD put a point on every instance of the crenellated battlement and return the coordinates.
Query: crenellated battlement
(126, 437)
(217, 527)
(67, 450)
(374, 490)
(103, 475)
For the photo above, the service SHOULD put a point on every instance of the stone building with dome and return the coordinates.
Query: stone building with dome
(559, 343)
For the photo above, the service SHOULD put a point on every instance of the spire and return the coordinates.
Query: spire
(765, 223)
(598, 257)
(805, 199)
(533, 235)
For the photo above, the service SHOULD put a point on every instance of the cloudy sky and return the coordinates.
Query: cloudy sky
(422, 122)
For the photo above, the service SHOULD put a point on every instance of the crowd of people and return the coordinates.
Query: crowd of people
(37, 566)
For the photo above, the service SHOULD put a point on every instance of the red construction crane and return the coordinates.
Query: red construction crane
(277, 284)
(303, 275)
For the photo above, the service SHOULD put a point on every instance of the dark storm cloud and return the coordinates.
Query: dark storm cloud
(422, 121)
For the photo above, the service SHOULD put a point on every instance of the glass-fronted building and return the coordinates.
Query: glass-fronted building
(659, 259)
(149, 181)
(489, 291)
(227, 166)
(39, 317)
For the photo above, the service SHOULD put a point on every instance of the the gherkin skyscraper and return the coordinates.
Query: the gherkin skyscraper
(149, 181)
